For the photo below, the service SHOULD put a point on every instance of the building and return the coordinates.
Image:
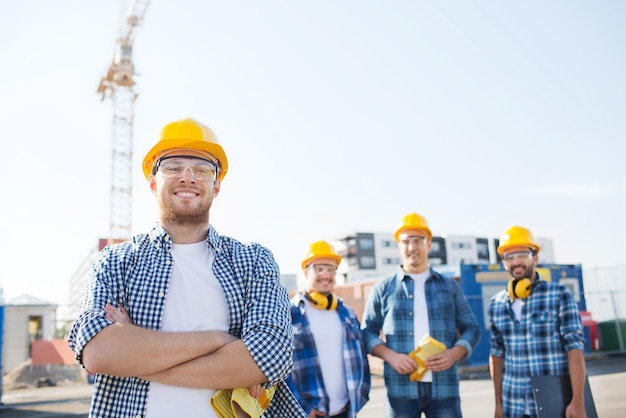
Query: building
(369, 255)
(26, 319)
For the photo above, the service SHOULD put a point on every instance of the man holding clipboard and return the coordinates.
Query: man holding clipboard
(536, 330)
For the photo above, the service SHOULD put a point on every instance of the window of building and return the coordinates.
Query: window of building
(367, 262)
(436, 261)
(351, 246)
(483, 250)
(462, 245)
(388, 244)
(390, 261)
(366, 243)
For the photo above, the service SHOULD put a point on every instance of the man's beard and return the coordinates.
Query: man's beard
(527, 273)
(185, 218)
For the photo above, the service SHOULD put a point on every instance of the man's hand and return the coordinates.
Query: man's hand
(255, 391)
(575, 410)
(315, 413)
(402, 363)
(445, 360)
(117, 314)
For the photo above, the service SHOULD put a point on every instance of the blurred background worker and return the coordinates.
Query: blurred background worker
(331, 372)
(412, 303)
(535, 330)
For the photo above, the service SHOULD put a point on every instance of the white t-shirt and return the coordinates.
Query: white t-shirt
(195, 301)
(328, 336)
(420, 314)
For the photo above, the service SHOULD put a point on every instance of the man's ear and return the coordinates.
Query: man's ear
(216, 187)
(152, 183)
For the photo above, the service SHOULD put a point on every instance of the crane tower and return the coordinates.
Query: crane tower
(118, 83)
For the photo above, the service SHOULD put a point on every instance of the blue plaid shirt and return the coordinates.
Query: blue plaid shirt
(389, 308)
(537, 343)
(136, 274)
(306, 377)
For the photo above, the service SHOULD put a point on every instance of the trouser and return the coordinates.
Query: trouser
(432, 408)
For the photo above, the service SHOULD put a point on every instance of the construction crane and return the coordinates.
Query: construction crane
(118, 83)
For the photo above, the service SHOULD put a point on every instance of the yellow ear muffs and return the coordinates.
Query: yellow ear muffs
(320, 301)
(520, 288)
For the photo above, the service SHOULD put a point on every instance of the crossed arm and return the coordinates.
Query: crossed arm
(196, 359)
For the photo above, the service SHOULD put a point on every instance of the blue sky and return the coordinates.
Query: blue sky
(337, 116)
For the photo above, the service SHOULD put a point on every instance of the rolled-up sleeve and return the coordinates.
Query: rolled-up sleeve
(91, 318)
(266, 329)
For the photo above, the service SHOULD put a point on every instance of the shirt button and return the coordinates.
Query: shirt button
(410, 296)
(168, 262)
(161, 294)
(410, 313)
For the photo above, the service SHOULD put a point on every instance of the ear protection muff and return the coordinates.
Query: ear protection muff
(520, 288)
(320, 301)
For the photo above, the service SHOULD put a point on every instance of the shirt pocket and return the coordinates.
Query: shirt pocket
(543, 325)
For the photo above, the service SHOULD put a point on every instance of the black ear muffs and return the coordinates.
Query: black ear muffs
(320, 301)
(520, 288)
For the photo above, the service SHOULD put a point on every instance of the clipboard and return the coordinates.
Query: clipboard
(552, 394)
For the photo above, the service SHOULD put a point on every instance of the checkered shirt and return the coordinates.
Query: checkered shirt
(307, 372)
(136, 274)
(389, 309)
(537, 343)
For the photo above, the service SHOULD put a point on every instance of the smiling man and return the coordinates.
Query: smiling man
(535, 329)
(331, 374)
(415, 303)
(205, 311)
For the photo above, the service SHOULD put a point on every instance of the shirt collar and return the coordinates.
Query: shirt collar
(160, 238)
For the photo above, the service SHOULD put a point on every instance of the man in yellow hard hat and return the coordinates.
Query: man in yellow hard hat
(428, 327)
(206, 312)
(535, 330)
(331, 374)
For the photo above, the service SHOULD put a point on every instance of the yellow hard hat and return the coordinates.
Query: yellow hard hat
(320, 249)
(413, 221)
(190, 134)
(517, 236)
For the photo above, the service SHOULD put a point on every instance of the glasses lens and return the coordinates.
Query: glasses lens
(521, 255)
(175, 167)
(323, 268)
(416, 241)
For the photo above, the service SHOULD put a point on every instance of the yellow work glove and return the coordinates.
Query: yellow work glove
(220, 402)
(238, 403)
